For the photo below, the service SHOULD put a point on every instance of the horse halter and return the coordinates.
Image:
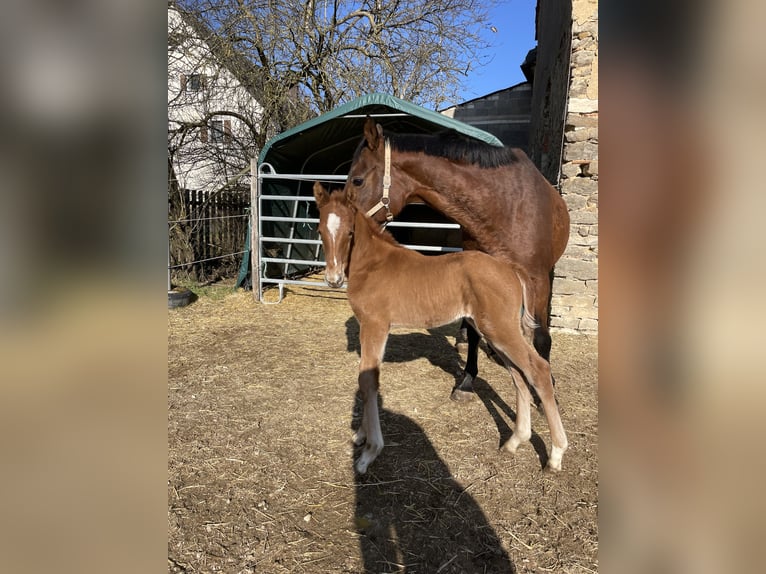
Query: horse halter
(385, 201)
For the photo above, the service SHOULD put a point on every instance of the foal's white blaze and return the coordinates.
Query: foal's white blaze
(333, 224)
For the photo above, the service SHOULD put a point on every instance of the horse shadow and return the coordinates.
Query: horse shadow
(437, 348)
(412, 516)
(403, 348)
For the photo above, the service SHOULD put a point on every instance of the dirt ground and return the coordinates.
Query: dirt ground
(262, 402)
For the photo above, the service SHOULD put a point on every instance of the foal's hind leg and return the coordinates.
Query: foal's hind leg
(373, 341)
(537, 372)
(539, 376)
(522, 432)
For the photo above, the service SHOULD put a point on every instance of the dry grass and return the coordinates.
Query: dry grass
(261, 405)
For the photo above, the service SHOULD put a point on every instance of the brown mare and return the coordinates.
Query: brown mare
(503, 203)
(392, 286)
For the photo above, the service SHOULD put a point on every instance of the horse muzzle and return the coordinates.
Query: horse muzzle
(334, 279)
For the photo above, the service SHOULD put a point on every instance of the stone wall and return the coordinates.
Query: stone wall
(574, 305)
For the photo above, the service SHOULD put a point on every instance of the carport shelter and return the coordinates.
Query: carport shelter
(324, 146)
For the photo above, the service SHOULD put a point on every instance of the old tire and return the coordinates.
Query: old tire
(179, 298)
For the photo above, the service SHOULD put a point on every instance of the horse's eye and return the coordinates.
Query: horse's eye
(357, 181)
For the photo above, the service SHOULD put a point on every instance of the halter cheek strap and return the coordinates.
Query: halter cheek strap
(385, 201)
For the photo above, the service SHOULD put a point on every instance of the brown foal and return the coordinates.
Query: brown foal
(391, 286)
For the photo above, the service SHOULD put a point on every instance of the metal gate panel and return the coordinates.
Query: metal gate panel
(283, 230)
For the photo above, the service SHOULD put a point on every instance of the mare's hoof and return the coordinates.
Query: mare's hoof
(462, 396)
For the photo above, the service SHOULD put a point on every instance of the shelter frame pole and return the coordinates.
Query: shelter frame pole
(255, 243)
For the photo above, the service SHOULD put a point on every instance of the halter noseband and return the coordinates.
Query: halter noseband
(384, 201)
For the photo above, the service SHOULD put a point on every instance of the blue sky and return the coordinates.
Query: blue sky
(515, 36)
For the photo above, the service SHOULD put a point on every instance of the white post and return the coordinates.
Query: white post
(255, 247)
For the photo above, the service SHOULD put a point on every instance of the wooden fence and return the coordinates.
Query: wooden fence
(207, 233)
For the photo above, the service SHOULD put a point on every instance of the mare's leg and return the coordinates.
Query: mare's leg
(541, 338)
(464, 391)
(461, 338)
(373, 341)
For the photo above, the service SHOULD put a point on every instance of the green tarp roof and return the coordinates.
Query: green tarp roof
(326, 144)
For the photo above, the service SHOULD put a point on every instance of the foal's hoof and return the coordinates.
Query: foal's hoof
(359, 438)
(369, 454)
(462, 396)
(548, 469)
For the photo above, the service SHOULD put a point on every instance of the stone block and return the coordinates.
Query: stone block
(576, 135)
(576, 269)
(578, 300)
(585, 312)
(582, 105)
(588, 325)
(588, 241)
(575, 202)
(565, 322)
(574, 251)
(581, 121)
(579, 185)
(570, 170)
(582, 58)
(583, 216)
(578, 87)
(581, 150)
(569, 286)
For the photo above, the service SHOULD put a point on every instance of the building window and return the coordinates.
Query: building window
(220, 131)
(192, 82)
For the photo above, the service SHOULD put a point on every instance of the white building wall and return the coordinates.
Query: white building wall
(201, 165)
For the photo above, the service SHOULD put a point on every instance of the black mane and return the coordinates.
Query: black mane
(452, 146)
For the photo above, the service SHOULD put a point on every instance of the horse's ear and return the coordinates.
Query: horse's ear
(373, 133)
(320, 194)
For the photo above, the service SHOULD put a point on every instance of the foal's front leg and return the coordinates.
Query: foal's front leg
(373, 342)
